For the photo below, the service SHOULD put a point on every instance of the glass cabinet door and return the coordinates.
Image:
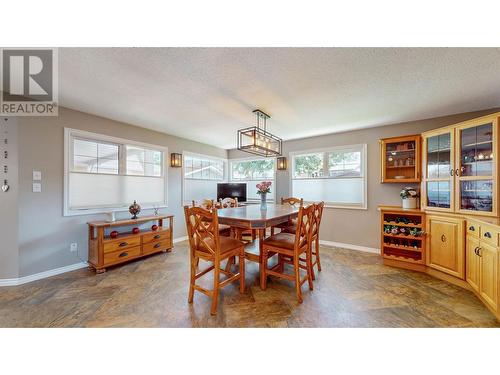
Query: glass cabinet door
(476, 151)
(439, 170)
(401, 159)
(475, 172)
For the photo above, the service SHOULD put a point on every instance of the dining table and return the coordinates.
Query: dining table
(251, 216)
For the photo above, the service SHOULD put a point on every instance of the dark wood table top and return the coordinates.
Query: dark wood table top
(253, 217)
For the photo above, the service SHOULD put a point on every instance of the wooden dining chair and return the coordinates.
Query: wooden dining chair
(206, 243)
(208, 204)
(238, 233)
(316, 224)
(292, 202)
(290, 247)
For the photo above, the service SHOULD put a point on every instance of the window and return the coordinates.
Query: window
(336, 176)
(104, 173)
(253, 171)
(143, 162)
(95, 157)
(201, 175)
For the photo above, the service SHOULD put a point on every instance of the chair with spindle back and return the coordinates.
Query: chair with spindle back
(291, 247)
(206, 243)
(292, 202)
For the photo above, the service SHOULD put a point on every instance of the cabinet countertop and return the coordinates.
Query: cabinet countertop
(482, 219)
(125, 222)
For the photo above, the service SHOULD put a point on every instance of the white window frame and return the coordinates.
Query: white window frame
(201, 156)
(70, 133)
(364, 173)
(250, 158)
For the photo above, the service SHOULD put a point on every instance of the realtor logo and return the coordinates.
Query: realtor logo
(28, 82)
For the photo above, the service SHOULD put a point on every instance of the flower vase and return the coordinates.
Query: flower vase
(263, 202)
(409, 203)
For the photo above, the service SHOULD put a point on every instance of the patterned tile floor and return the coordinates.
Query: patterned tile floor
(353, 290)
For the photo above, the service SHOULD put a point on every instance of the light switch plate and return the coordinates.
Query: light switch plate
(37, 176)
(37, 187)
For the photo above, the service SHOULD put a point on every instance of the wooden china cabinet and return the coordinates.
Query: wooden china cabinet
(459, 214)
(460, 169)
(400, 159)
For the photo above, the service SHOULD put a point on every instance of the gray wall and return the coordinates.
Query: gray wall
(36, 236)
(44, 233)
(9, 267)
(360, 227)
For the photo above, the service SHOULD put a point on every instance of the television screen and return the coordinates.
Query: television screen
(233, 190)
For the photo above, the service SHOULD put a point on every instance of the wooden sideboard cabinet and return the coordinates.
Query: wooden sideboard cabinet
(463, 250)
(105, 251)
(483, 249)
(445, 236)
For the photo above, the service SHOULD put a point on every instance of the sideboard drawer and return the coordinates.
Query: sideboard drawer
(121, 244)
(489, 234)
(153, 247)
(121, 255)
(473, 229)
(161, 235)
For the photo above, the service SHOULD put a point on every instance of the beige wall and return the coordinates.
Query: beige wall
(44, 233)
(360, 227)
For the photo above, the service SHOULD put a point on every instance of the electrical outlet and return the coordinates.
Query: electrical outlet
(73, 247)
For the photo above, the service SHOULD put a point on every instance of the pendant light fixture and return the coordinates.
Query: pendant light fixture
(257, 140)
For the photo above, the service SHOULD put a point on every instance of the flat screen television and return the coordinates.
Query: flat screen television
(232, 190)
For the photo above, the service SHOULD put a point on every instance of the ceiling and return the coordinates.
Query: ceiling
(206, 94)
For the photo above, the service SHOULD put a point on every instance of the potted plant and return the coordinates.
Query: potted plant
(263, 189)
(409, 197)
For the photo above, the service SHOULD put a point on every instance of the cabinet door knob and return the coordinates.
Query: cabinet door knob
(479, 251)
(476, 249)
(157, 236)
(124, 254)
(472, 229)
(487, 235)
(157, 245)
(451, 172)
(122, 244)
(457, 172)
(443, 238)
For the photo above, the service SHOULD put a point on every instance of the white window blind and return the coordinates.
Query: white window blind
(202, 173)
(336, 176)
(253, 171)
(105, 173)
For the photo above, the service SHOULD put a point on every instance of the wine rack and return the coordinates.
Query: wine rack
(403, 236)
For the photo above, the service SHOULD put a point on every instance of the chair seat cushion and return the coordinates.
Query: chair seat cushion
(283, 240)
(227, 244)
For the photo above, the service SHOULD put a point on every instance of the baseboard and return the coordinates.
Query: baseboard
(180, 239)
(349, 246)
(41, 275)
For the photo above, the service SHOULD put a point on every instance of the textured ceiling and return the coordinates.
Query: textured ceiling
(206, 94)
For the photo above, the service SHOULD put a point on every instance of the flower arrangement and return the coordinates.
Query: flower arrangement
(264, 187)
(408, 192)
